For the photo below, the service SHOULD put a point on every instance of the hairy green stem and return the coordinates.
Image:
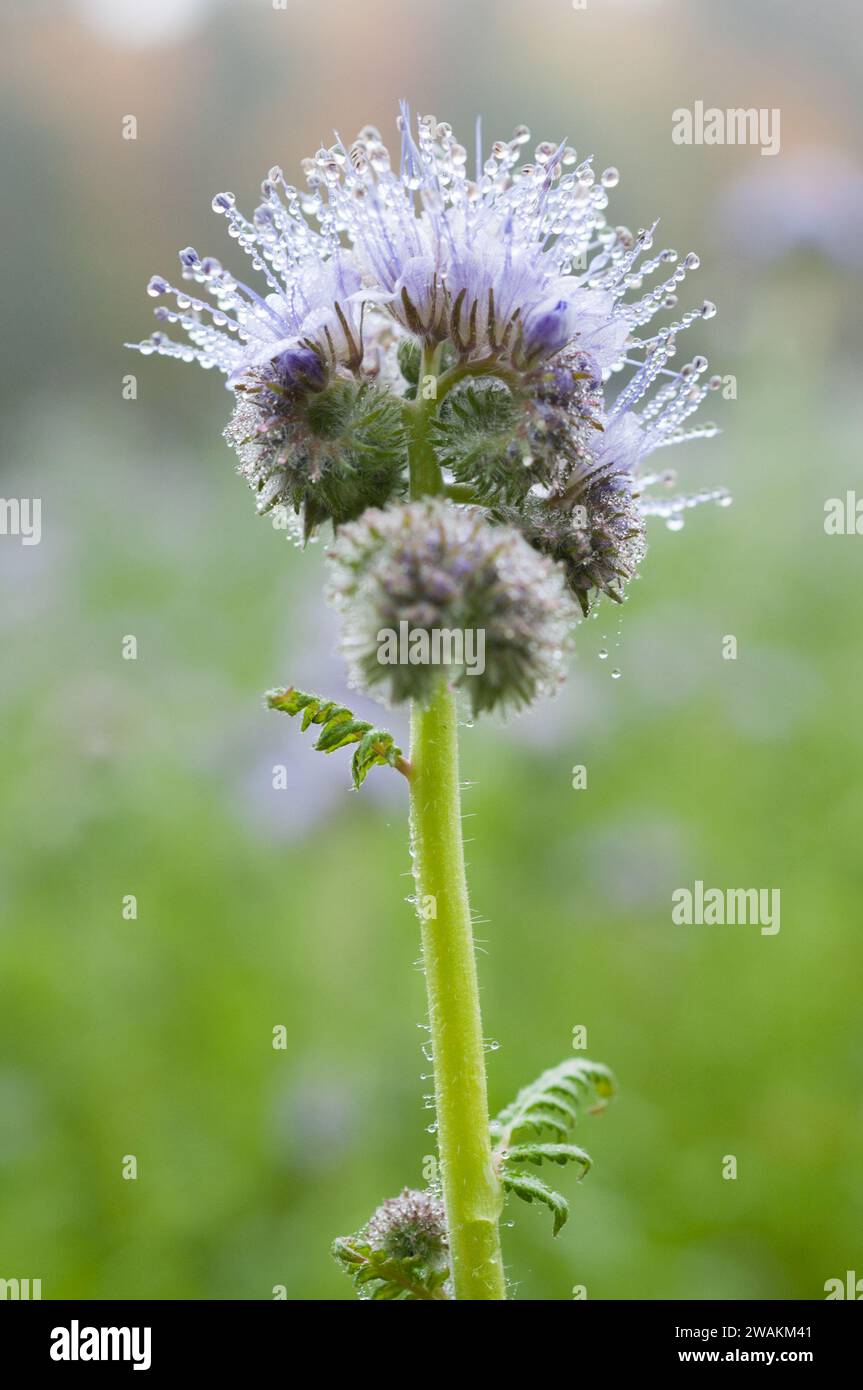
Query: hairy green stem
(472, 1192)
(425, 474)
(478, 366)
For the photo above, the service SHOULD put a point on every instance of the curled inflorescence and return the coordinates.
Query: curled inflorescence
(426, 575)
(490, 290)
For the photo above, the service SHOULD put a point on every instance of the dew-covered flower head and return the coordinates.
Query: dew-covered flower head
(504, 251)
(481, 257)
(484, 285)
(308, 322)
(410, 1227)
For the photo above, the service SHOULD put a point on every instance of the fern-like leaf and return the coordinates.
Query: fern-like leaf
(549, 1105)
(375, 747)
(554, 1099)
(548, 1153)
(382, 1278)
(530, 1188)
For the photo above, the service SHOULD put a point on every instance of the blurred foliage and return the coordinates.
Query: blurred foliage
(259, 907)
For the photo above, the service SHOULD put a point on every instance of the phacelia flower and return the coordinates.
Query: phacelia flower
(483, 262)
(310, 322)
(428, 590)
(411, 1227)
(496, 281)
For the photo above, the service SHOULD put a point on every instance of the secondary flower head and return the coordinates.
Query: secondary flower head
(411, 1226)
(470, 601)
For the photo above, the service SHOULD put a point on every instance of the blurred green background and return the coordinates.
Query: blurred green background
(259, 907)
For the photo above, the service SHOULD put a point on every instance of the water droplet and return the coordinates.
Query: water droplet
(615, 675)
(603, 655)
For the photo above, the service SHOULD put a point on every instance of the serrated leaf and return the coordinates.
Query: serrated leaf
(532, 1189)
(548, 1105)
(554, 1099)
(546, 1153)
(540, 1119)
(377, 748)
(339, 732)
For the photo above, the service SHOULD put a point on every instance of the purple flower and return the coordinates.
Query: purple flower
(512, 268)
(313, 309)
(515, 262)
